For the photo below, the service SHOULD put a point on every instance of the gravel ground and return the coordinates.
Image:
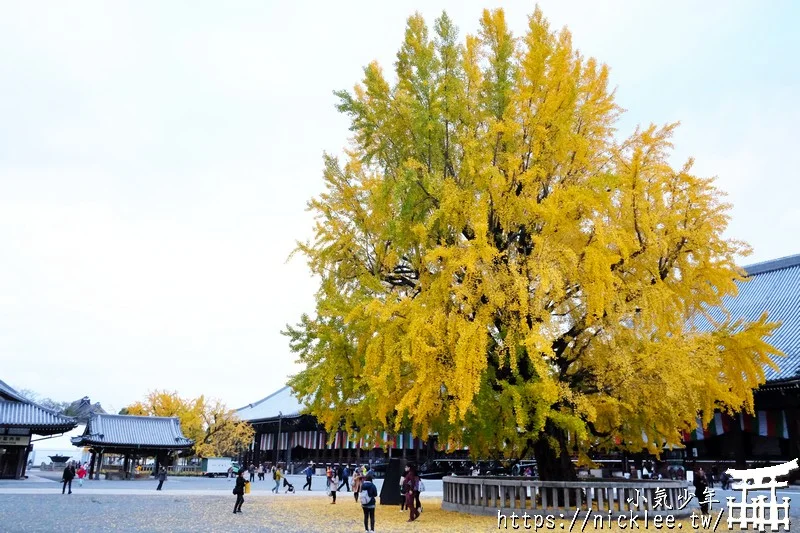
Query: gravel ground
(176, 513)
(200, 505)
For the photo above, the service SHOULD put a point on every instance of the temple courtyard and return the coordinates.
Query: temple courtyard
(205, 505)
(190, 504)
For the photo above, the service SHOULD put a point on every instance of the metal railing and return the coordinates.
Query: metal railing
(490, 495)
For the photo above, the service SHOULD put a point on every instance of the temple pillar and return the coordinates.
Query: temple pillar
(99, 464)
(91, 464)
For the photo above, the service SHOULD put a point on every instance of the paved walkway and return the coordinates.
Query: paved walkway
(188, 486)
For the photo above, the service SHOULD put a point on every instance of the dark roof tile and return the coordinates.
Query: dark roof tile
(774, 287)
(19, 412)
(139, 431)
(29, 415)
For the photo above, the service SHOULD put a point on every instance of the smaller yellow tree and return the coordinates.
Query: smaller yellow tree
(216, 430)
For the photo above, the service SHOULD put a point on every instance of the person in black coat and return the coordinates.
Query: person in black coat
(69, 475)
(162, 477)
(700, 486)
(238, 490)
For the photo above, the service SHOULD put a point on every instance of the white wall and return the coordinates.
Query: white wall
(58, 445)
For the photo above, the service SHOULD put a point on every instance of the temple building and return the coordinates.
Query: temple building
(284, 434)
(772, 433)
(20, 420)
(126, 439)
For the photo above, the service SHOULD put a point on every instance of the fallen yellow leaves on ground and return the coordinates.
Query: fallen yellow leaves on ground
(317, 514)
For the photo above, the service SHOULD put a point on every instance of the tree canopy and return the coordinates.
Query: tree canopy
(48, 403)
(216, 430)
(499, 267)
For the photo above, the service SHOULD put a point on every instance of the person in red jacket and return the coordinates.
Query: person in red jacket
(81, 475)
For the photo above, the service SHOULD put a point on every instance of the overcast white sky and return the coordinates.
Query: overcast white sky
(156, 158)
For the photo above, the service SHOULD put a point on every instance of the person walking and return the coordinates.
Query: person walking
(413, 486)
(252, 471)
(338, 471)
(67, 477)
(405, 486)
(260, 472)
(332, 486)
(277, 478)
(416, 489)
(700, 486)
(81, 474)
(162, 477)
(358, 480)
(238, 490)
(309, 471)
(368, 494)
(345, 479)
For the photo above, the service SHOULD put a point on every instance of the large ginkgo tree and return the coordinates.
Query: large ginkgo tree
(498, 267)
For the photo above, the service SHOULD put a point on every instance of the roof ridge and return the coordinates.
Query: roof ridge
(10, 391)
(771, 265)
(262, 400)
(137, 416)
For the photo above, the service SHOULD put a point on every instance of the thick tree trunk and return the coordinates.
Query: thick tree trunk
(554, 465)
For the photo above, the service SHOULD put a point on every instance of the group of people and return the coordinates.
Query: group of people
(277, 473)
(240, 488)
(364, 490)
(410, 487)
(71, 471)
(340, 476)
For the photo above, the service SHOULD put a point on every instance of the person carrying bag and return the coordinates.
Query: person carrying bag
(239, 491)
(367, 500)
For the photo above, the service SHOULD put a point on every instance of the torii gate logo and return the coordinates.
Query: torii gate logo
(759, 512)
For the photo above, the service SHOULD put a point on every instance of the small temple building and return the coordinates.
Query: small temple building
(110, 438)
(20, 420)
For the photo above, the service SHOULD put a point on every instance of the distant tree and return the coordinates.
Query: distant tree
(497, 267)
(216, 430)
(48, 403)
(29, 394)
